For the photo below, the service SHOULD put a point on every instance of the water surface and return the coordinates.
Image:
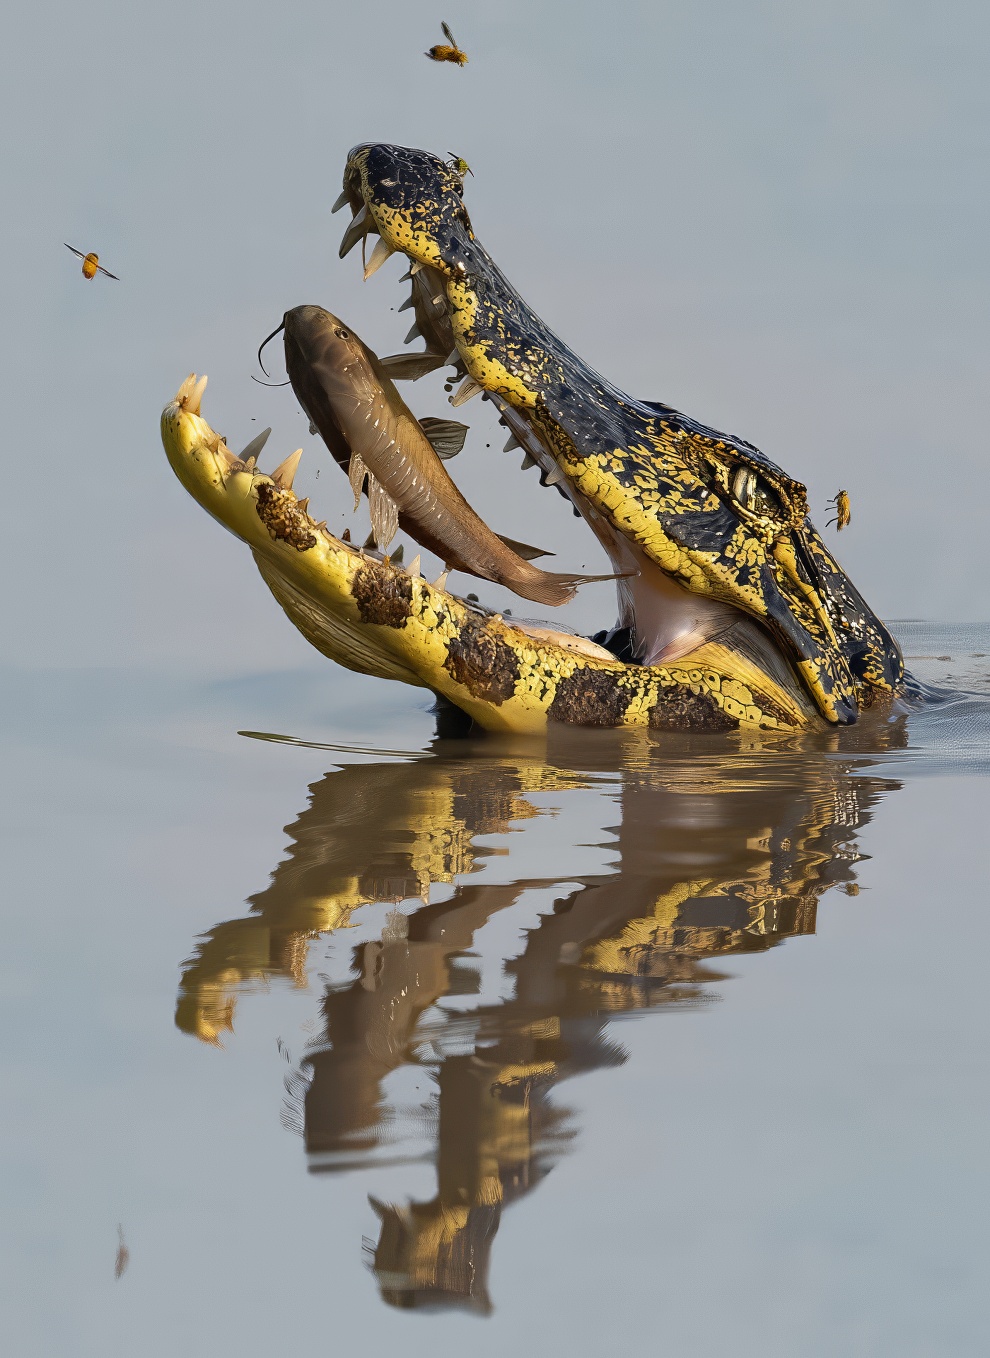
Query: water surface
(374, 1037)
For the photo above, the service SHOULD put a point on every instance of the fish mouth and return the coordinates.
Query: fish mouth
(730, 608)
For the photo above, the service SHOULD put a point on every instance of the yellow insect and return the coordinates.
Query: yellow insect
(459, 165)
(452, 53)
(842, 514)
(91, 263)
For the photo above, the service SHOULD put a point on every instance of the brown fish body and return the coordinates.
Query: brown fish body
(355, 405)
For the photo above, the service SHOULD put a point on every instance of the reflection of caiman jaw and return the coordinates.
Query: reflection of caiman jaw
(732, 611)
(435, 1255)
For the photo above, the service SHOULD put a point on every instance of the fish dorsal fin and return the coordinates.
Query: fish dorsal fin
(523, 549)
(409, 367)
(447, 436)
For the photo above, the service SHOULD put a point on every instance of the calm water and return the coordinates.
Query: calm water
(370, 1040)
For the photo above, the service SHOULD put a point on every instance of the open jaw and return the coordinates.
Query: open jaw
(732, 613)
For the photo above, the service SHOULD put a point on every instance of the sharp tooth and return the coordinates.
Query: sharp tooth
(414, 564)
(554, 476)
(511, 443)
(399, 553)
(254, 448)
(303, 505)
(379, 255)
(410, 301)
(344, 198)
(357, 230)
(194, 396)
(285, 473)
(441, 581)
(452, 358)
(468, 388)
(527, 462)
(414, 333)
(415, 267)
(322, 524)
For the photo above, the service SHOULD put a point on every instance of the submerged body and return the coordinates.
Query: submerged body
(368, 427)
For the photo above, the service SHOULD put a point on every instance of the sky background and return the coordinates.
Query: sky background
(773, 216)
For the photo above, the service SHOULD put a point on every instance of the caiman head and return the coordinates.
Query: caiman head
(732, 612)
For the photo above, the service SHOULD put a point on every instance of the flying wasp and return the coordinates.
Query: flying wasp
(91, 263)
(441, 52)
(840, 503)
(459, 165)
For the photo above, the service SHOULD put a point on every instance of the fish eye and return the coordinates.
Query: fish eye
(753, 494)
(341, 333)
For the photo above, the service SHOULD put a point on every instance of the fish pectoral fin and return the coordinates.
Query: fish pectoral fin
(409, 367)
(447, 437)
(523, 549)
(384, 513)
(356, 473)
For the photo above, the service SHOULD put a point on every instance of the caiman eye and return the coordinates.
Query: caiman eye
(753, 494)
(341, 333)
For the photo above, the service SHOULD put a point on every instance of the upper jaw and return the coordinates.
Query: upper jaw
(412, 199)
(414, 202)
(408, 199)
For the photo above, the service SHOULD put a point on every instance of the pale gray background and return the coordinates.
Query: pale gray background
(771, 215)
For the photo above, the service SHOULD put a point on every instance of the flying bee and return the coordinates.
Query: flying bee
(91, 263)
(840, 503)
(444, 53)
(459, 165)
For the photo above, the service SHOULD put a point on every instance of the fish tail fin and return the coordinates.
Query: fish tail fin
(553, 589)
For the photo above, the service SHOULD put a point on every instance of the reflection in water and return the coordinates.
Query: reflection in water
(721, 846)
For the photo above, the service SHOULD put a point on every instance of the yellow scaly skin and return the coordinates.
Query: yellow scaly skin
(711, 511)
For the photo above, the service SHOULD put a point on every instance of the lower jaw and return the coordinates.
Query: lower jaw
(374, 617)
